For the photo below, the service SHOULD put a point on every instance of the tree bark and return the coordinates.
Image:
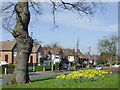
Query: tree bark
(24, 44)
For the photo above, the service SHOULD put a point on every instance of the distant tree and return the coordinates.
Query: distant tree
(102, 58)
(109, 46)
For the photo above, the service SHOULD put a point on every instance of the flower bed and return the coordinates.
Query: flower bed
(84, 75)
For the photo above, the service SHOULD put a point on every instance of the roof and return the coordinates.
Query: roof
(82, 55)
(68, 52)
(54, 50)
(36, 47)
(88, 56)
(7, 45)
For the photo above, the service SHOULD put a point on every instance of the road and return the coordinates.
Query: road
(6, 78)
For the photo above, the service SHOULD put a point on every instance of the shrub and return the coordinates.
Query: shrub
(40, 68)
(58, 66)
(2, 68)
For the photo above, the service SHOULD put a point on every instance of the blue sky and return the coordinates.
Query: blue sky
(72, 27)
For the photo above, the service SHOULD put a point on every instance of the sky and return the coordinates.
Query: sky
(72, 27)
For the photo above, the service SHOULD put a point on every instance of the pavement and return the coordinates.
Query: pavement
(6, 78)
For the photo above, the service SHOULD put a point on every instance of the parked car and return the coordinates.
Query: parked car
(116, 65)
(99, 67)
(65, 66)
(3, 63)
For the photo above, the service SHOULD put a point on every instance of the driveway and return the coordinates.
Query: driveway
(6, 78)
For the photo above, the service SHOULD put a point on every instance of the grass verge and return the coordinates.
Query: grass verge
(51, 82)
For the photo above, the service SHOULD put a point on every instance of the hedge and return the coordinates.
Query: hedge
(2, 68)
(40, 68)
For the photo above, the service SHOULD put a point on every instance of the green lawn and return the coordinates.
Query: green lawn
(50, 82)
(109, 67)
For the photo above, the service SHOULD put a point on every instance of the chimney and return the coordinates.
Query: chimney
(89, 49)
(88, 53)
(78, 50)
(14, 39)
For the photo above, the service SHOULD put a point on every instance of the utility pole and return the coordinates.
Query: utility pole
(75, 54)
(77, 45)
(89, 55)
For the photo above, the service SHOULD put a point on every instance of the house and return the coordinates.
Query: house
(83, 60)
(51, 55)
(69, 56)
(86, 59)
(36, 54)
(8, 52)
(92, 59)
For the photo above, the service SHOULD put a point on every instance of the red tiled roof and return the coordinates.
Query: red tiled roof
(54, 50)
(81, 55)
(90, 57)
(68, 52)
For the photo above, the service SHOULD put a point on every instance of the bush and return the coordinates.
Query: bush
(84, 65)
(2, 68)
(114, 62)
(40, 68)
(58, 66)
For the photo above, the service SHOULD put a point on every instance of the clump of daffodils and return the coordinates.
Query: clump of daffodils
(85, 75)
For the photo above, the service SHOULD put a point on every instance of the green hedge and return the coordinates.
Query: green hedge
(2, 68)
(40, 68)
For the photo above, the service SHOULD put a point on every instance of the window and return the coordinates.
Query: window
(57, 57)
(31, 59)
(15, 53)
(40, 55)
(6, 58)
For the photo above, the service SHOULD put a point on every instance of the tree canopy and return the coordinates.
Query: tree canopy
(108, 48)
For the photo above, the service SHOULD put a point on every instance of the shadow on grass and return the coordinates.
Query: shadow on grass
(34, 74)
(42, 79)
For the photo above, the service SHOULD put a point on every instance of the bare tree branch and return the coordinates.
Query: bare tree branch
(53, 13)
(7, 7)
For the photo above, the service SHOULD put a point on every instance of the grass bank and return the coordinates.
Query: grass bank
(51, 82)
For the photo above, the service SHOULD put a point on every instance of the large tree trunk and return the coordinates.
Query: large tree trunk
(24, 44)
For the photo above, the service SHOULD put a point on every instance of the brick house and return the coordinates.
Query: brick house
(36, 54)
(8, 52)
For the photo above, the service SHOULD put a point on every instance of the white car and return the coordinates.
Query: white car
(116, 65)
(3, 63)
(99, 67)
